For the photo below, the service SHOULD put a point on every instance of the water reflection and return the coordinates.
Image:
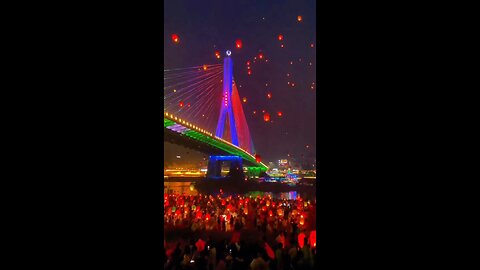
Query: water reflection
(187, 188)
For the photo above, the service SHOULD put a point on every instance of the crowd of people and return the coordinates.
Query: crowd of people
(239, 232)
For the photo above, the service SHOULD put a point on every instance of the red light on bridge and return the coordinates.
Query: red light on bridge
(238, 44)
(175, 38)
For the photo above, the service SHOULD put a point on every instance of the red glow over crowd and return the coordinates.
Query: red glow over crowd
(285, 229)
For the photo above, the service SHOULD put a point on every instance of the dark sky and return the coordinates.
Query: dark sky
(207, 26)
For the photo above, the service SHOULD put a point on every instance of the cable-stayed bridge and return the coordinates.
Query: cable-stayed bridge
(203, 111)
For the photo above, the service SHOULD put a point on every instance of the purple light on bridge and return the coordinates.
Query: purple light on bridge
(178, 128)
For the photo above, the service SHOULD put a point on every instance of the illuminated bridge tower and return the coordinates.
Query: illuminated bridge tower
(226, 106)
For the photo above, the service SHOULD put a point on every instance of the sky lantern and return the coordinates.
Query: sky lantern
(217, 54)
(254, 112)
(270, 213)
(244, 99)
(207, 217)
(260, 55)
(180, 104)
(175, 38)
(204, 67)
(269, 95)
(269, 251)
(280, 37)
(311, 45)
(302, 221)
(249, 72)
(238, 44)
(200, 244)
(248, 63)
(299, 18)
(223, 202)
(312, 239)
(281, 46)
(266, 117)
(279, 114)
(301, 239)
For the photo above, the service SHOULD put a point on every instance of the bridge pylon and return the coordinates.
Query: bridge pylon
(226, 106)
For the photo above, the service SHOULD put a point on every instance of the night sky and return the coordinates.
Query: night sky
(204, 27)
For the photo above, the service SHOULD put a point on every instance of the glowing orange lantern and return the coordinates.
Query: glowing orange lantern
(266, 117)
(207, 217)
(175, 38)
(238, 44)
(267, 203)
(270, 212)
(217, 54)
(299, 18)
(280, 37)
(244, 99)
(204, 67)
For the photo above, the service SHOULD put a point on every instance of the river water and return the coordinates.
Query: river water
(187, 188)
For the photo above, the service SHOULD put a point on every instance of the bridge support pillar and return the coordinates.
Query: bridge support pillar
(214, 170)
